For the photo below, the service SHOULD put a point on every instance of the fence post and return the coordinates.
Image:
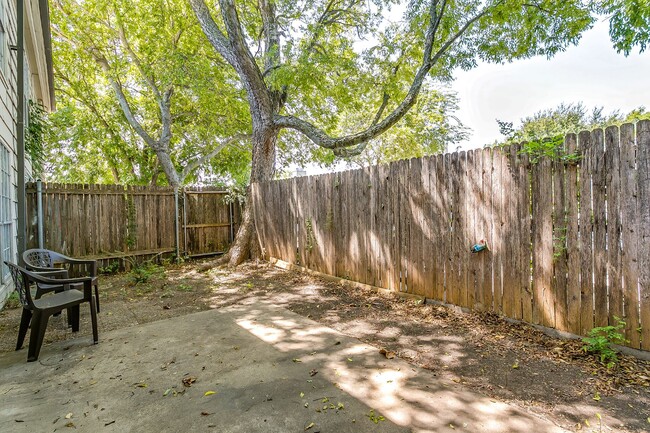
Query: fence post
(176, 225)
(39, 211)
(185, 222)
(232, 222)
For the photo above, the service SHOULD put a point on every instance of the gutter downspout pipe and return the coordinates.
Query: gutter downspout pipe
(39, 210)
(20, 126)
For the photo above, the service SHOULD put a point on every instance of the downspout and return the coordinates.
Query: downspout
(39, 211)
(20, 125)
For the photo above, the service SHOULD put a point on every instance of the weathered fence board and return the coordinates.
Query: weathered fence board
(585, 233)
(630, 232)
(613, 181)
(599, 186)
(559, 243)
(543, 309)
(522, 188)
(572, 241)
(643, 169)
(567, 234)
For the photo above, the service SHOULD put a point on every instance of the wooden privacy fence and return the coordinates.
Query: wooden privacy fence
(568, 240)
(117, 221)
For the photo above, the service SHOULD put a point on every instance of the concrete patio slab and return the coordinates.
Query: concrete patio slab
(263, 368)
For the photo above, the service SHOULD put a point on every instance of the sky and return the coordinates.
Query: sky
(591, 72)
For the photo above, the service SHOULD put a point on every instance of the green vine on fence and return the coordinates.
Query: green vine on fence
(551, 148)
(34, 141)
(311, 241)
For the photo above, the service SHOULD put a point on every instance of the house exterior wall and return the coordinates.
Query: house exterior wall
(37, 88)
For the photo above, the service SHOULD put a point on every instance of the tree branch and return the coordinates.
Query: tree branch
(235, 50)
(382, 107)
(354, 144)
(124, 103)
(271, 36)
(166, 118)
(198, 161)
(212, 31)
(138, 63)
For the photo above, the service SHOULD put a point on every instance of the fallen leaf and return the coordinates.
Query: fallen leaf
(68, 416)
(516, 364)
(188, 381)
(109, 423)
(207, 393)
(167, 391)
(296, 360)
(70, 424)
(166, 307)
(596, 396)
(205, 413)
(302, 394)
(387, 353)
(349, 359)
(306, 404)
(311, 424)
(313, 372)
(340, 406)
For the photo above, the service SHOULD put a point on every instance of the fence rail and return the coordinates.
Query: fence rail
(116, 221)
(568, 239)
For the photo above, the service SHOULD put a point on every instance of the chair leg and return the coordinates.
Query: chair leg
(73, 315)
(39, 324)
(93, 319)
(24, 325)
(97, 296)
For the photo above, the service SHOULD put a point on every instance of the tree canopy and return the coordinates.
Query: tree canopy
(565, 119)
(140, 86)
(629, 23)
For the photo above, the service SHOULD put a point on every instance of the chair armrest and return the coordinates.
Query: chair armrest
(92, 263)
(54, 272)
(39, 279)
(38, 269)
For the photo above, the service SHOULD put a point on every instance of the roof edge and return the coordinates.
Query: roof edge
(44, 9)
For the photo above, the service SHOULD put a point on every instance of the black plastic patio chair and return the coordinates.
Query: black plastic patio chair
(38, 311)
(40, 260)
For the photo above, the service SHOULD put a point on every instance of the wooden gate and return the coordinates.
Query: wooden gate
(208, 221)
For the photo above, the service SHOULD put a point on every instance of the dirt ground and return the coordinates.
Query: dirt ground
(508, 362)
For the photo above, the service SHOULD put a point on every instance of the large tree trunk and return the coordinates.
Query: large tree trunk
(246, 244)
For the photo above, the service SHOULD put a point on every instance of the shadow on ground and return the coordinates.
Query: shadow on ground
(481, 373)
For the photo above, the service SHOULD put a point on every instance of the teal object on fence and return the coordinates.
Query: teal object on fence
(482, 245)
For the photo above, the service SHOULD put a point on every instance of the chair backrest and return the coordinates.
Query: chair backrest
(21, 283)
(41, 258)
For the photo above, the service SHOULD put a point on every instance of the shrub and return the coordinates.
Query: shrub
(600, 342)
